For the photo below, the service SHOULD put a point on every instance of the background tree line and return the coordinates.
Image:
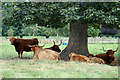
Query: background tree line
(35, 30)
(19, 20)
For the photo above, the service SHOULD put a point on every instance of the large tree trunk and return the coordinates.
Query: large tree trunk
(78, 42)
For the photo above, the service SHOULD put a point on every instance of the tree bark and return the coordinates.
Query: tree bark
(78, 42)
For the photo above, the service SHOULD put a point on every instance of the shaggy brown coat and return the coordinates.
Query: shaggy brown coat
(55, 47)
(22, 44)
(95, 59)
(40, 53)
(108, 57)
(80, 58)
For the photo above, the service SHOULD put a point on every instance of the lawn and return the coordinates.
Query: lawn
(11, 67)
(8, 51)
(55, 69)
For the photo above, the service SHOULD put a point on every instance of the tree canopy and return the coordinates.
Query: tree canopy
(58, 14)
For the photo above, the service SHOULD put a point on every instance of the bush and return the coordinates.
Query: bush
(10, 32)
(92, 32)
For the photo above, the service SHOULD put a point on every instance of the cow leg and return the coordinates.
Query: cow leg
(18, 54)
(21, 53)
(35, 57)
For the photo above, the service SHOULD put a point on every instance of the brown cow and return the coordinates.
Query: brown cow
(108, 57)
(40, 53)
(77, 57)
(55, 47)
(22, 44)
(95, 59)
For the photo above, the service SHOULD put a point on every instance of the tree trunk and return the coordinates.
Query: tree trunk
(57, 35)
(78, 42)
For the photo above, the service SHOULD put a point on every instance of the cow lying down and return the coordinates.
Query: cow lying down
(108, 57)
(95, 59)
(82, 58)
(40, 53)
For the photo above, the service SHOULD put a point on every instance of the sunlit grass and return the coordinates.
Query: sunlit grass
(28, 68)
(56, 69)
(8, 51)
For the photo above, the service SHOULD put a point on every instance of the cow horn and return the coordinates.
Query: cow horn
(116, 49)
(43, 45)
(60, 43)
(7, 38)
(31, 45)
(54, 42)
(104, 50)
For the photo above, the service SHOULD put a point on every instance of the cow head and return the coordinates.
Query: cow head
(12, 40)
(90, 55)
(33, 47)
(110, 52)
(56, 47)
(71, 54)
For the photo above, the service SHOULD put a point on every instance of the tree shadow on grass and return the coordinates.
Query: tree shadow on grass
(16, 58)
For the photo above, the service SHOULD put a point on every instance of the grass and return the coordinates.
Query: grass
(11, 67)
(8, 51)
(56, 69)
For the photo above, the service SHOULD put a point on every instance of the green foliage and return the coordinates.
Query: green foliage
(92, 32)
(35, 30)
(53, 32)
(47, 31)
(65, 31)
(10, 32)
(58, 15)
(17, 29)
(5, 28)
(28, 31)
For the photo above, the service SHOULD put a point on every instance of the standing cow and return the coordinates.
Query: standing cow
(22, 44)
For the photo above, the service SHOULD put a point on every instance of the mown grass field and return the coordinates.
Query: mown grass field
(11, 67)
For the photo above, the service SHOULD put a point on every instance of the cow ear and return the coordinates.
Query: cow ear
(70, 55)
